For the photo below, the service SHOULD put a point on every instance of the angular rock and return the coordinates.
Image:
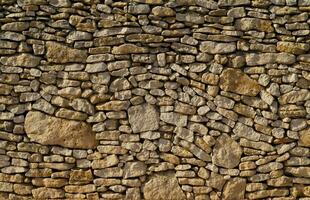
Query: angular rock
(48, 130)
(143, 118)
(174, 118)
(190, 17)
(163, 185)
(134, 169)
(80, 177)
(217, 47)
(248, 24)
(233, 80)
(59, 53)
(47, 193)
(234, 189)
(83, 105)
(21, 60)
(226, 152)
(292, 111)
(254, 59)
(247, 132)
(304, 137)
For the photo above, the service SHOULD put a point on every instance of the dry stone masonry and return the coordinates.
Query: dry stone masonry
(155, 99)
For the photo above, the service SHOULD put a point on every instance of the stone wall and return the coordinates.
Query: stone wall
(154, 99)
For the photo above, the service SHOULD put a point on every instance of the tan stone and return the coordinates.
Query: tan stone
(144, 38)
(292, 47)
(108, 161)
(247, 24)
(162, 11)
(233, 80)
(48, 130)
(162, 186)
(234, 189)
(295, 96)
(21, 60)
(226, 152)
(80, 177)
(47, 193)
(304, 137)
(128, 49)
(58, 53)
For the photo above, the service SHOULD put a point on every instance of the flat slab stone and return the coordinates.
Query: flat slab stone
(143, 118)
(234, 80)
(21, 60)
(58, 53)
(48, 130)
(163, 186)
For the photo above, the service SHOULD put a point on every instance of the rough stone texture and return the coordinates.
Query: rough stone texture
(49, 130)
(154, 99)
(227, 152)
(143, 118)
(233, 80)
(163, 186)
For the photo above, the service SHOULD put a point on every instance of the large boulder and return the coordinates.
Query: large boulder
(48, 130)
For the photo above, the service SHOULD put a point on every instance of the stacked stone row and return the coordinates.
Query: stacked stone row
(154, 99)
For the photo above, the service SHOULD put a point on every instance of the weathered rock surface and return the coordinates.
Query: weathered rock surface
(234, 189)
(59, 53)
(49, 130)
(226, 152)
(163, 186)
(233, 80)
(143, 118)
(21, 60)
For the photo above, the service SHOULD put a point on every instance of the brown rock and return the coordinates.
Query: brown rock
(292, 47)
(233, 80)
(162, 186)
(304, 137)
(80, 177)
(247, 24)
(234, 189)
(47, 193)
(48, 130)
(58, 53)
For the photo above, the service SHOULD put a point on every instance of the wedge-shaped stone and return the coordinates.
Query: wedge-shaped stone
(226, 152)
(163, 186)
(143, 118)
(21, 60)
(246, 132)
(58, 53)
(48, 130)
(234, 80)
(248, 24)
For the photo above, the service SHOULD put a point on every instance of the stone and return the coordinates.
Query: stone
(134, 169)
(96, 67)
(174, 118)
(226, 152)
(139, 9)
(119, 84)
(80, 177)
(246, 132)
(233, 80)
(248, 24)
(293, 48)
(234, 189)
(163, 185)
(216, 181)
(129, 49)
(117, 31)
(83, 105)
(70, 114)
(294, 96)
(254, 59)
(108, 161)
(304, 137)
(59, 53)
(143, 118)
(162, 11)
(190, 17)
(80, 188)
(233, 2)
(15, 26)
(21, 60)
(217, 47)
(144, 38)
(48, 130)
(47, 193)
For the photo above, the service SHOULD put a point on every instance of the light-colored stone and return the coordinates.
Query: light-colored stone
(217, 47)
(162, 186)
(143, 118)
(234, 189)
(226, 152)
(233, 80)
(21, 60)
(49, 130)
